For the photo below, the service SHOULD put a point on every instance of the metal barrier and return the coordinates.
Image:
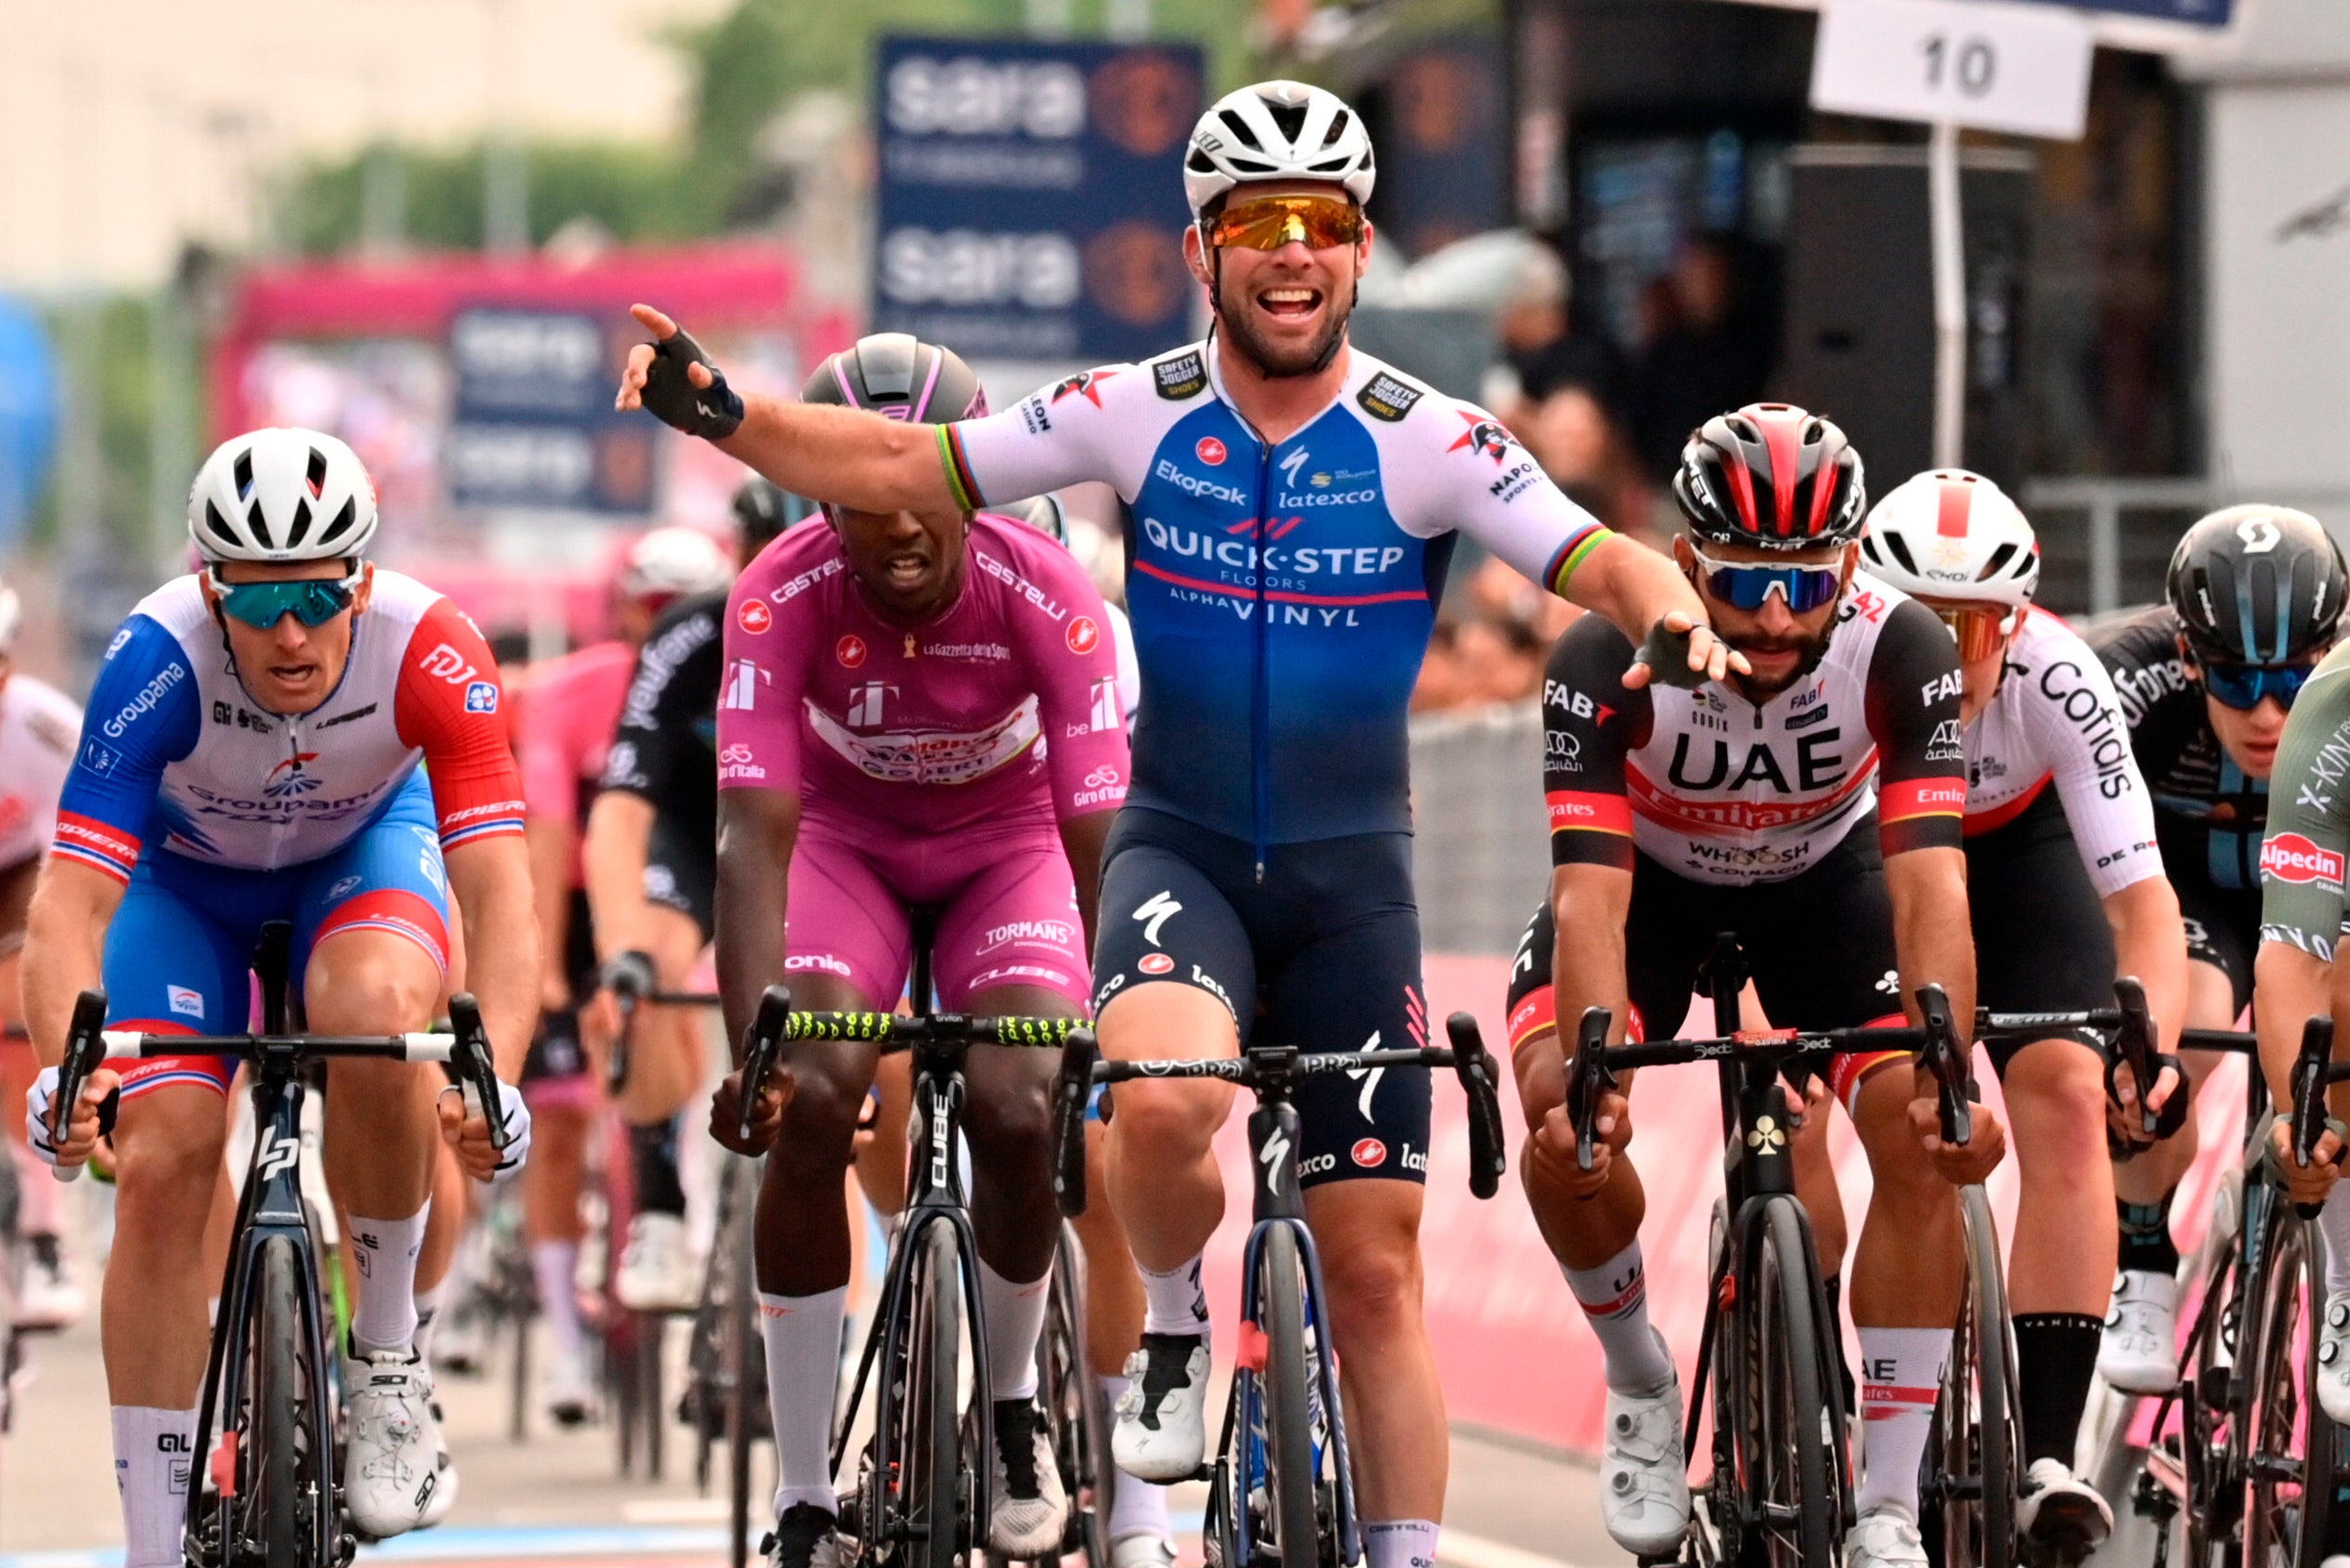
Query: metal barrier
(1481, 848)
(2133, 524)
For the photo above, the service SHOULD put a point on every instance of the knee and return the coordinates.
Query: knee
(1010, 1114)
(1171, 1117)
(1373, 1287)
(2057, 1104)
(373, 996)
(166, 1180)
(821, 1121)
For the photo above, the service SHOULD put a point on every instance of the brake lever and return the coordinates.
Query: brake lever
(477, 1070)
(1476, 1070)
(2136, 1043)
(1943, 1055)
(762, 1044)
(2309, 1094)
(1589, 1079)
(1072, 1089)
(85, 1054)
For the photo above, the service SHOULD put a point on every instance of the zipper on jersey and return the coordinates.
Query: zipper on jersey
(1260, 695)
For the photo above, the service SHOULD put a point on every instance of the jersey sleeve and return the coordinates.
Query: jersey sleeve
(1059, 436)
(1912, 704)
(144, 715)
(2082, 734)
(766, 646)
(667, 695)
(454, 720)
(1451, 465)
(546, 751)
(2301, 860)
(1073, 669)
(1589, 724)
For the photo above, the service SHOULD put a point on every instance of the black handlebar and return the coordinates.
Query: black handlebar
(2312, 1071)
(1589, 1078)
(1488, 1158)
(762, 1044)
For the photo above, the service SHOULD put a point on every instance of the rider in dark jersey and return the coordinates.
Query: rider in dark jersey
(2205, 680)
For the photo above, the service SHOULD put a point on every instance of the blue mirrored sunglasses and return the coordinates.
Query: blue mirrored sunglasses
(313, 601)
(2241, 686)
(1747, 586)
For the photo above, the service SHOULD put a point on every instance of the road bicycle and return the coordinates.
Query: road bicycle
(1780, 1492)
(726, 1396)
(1280, 1486)
(264, 1489)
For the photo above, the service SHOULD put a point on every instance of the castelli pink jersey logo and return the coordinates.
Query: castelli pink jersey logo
(2292, 859)
(1084, 635)
(754, 616)
(849, 651)
(1210, 450)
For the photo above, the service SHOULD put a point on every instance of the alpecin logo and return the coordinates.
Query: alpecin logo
(2290, 857)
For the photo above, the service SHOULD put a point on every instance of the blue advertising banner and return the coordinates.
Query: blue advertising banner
(533, 425)
(2200, 13)
(29, 396)
(1032, 196)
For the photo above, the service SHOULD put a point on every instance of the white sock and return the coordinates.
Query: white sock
(1175, 1303)
(804, 1372)
(556, 1266)
(1614, 1298)
(151, 1460)
(2334, 1223)
(428, 1305)
(1014, 1317)
(1900, 1378)
(39, 1194)
(1395, 1543)
(1137, 1507)
(383, 1251)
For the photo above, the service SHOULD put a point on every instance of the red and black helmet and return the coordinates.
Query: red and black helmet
(1773, 476)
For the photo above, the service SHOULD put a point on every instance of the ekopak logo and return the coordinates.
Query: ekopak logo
(1210, 450)
(2292, 858)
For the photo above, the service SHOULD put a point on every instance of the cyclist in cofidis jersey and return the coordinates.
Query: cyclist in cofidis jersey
(255, 751)
(921, 710)
(2254, 598)
(2065, 884)
(1294, 505)
(570, 708)
(1811, 806)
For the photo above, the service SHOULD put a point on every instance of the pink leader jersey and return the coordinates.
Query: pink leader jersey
(569, 712)
(1004, 707)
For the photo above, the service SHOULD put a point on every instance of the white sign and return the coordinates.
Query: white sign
(1995, 67)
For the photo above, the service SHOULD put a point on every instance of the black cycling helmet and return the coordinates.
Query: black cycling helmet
(897, 374)
(1773, 476)
(764, 509)
(2257, 585)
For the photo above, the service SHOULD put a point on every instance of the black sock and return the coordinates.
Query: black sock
(1833, 1290)
(2056, 1357)
(653, 1157)
(2146, 1236)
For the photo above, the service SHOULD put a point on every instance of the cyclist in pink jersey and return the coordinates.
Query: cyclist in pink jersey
(572, 708)
(918, 709)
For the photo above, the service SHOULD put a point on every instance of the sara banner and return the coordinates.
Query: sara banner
(1032, 196)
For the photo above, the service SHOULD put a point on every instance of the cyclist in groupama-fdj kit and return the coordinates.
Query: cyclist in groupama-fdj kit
(254, 753)
(1293, 504)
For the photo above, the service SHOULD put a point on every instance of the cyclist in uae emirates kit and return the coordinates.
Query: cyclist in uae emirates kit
(2205, 680)
(570, 708)
(1293, 504)
(255, 751)
(2065, 883)
(920, 712)
(1813, 809)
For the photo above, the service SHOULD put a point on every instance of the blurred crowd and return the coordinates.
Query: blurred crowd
(1607, 424)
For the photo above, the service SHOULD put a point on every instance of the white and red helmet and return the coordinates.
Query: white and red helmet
(671, 562)
(1949, 534)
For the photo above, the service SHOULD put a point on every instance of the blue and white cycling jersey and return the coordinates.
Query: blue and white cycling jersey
(1282, 596)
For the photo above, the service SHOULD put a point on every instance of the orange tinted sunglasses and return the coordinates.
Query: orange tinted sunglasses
(1267, 223)
(1978, 629)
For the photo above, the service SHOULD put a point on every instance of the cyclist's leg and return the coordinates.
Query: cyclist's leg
(171, 968)
(564, 1110)
(1113, 1332)
(881, 1149)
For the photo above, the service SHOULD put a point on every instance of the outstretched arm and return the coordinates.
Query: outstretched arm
(846, 457)
(1641, 591)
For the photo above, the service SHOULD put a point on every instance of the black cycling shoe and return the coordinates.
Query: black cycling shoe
(806, 1536)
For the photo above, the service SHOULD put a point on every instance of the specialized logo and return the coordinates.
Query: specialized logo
(2290, 857)
(1084, 634)
(1086, 384)
(481, 697)
(1291, 465)
(1155, 963)
(1274, 1155)
(850, 650)
(1486, 434)
(1385, 397)
(754, 616)
(1368, 1153)
(344, 887)
(1369, 1077)
(1155, 913)
(1183, 376)
(1210, 450)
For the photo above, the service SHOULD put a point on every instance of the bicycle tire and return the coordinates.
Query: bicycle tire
(740, 1350)
(1075, 1411)
(270, 1453)
(1792, 1498)
(932, 1461)
(2285, 1518)
(2211, 1449)
(1292, 1474)
(1971, 1492)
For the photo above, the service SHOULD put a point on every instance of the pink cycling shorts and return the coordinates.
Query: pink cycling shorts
(1007, 911)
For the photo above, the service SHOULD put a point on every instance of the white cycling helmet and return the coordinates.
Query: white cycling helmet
(1949, 534)
(281, 495)
(673, 561)
(1277, 131)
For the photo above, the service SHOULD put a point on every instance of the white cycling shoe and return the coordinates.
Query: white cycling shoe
(393, 1461)
(1030, 1507)
(1885, 1536)
(2139, 1351)
(2333, 1376)
(567, 1387)
(1161, 1432)
(50, 1297)
(656, 1267)
(2062, 1518)
(1151, 1550)
(1643, 1472)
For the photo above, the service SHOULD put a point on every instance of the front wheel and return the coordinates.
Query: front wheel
(1793, 1502)
(281, 1482)
(2292, 1450)
(1970, 1467)
(1293, 1472)
(930, 1455)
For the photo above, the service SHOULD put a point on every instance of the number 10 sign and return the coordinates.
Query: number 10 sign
(1995, 67)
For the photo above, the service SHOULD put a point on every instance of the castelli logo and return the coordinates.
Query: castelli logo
(1083, 634)
(1155, 963)
(2290, 857)
(849, 651)
(1210, 450)
(1368, 1153)
(754, 616)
